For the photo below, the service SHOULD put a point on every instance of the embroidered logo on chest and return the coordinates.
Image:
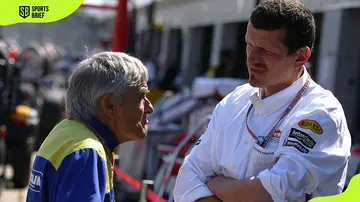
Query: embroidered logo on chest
(276, 136)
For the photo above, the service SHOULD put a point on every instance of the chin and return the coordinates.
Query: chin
(140, 132)
(256, 83)
(141, 135)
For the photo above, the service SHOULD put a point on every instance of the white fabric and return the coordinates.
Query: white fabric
(205, 87)
(227, 148)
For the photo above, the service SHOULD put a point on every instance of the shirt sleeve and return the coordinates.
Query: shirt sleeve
(197, 168)
(81, 176)
(315, 152)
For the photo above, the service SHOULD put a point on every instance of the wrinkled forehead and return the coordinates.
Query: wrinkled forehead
(268, 39)
(278, 35)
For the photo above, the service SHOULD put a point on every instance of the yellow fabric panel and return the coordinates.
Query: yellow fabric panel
(70, 136)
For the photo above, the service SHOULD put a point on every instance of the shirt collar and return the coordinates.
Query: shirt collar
(109, 137)
(264, 107)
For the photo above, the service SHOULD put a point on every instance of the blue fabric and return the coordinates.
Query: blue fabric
(80, 177)
(109, 137)
(71, 165)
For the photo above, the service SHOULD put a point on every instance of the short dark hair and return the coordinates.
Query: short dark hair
(291, 15)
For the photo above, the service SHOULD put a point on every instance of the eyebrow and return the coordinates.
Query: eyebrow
(272, 50)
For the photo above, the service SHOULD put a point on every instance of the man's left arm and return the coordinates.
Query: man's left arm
(316, 149)
(232, 190)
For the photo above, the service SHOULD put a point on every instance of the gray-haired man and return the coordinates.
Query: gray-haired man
(106, 105)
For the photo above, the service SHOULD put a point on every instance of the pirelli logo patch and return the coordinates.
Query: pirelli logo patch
(311, 125)
(297, 145)
(302, 137)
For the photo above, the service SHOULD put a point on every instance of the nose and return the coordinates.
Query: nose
(253, 55)
(149, 108)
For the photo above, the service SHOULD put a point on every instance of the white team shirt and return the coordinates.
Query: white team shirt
(308, 154)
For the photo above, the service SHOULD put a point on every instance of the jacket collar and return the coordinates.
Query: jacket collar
(109, 137)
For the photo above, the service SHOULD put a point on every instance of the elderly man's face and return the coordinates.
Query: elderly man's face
(130, 122)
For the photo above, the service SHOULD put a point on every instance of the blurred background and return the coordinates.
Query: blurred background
(195, 54)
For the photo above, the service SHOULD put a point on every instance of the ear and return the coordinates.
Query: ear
(107, 105)
(302, 56)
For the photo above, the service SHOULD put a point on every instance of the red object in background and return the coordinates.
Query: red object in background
(13, 53)
(3, 131)
(355, 150)
(120, 31)
(136, 184)
(106, 7)
(121, 23)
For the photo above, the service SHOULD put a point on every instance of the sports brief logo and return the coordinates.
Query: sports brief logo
(35, 180)
(24, 11)
(311, 125)
(34, 11)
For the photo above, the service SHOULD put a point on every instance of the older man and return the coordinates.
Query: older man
(282, 137)
(106, 105)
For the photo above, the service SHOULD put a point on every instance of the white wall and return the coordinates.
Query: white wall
(190, 13)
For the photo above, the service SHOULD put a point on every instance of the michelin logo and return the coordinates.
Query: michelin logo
(35, 180)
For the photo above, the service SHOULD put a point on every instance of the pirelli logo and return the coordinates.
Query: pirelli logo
(311, 125)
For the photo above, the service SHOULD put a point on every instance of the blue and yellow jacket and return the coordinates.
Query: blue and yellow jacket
(72, 165)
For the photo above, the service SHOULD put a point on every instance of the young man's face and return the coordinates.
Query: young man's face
(268, 62)
(130, 117)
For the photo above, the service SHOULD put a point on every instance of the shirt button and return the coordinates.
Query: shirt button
(246, 142)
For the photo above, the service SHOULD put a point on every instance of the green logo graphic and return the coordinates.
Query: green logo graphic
(351, 194)
(24, 11)
(36, 11)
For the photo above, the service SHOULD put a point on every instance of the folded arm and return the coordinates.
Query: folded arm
(209, 199)
(231, 190)
(308, 157)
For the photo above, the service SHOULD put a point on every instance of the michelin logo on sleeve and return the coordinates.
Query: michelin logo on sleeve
(35, 180)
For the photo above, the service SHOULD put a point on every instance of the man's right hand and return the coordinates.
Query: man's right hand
(209, 199)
